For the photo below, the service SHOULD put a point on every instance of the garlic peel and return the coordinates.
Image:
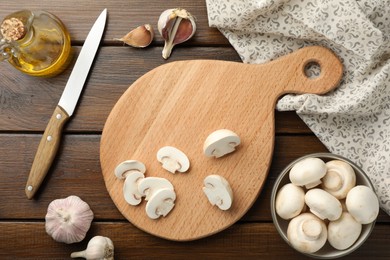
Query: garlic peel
(140, 37)
(175, 26)
(68, 220)
(98, 248)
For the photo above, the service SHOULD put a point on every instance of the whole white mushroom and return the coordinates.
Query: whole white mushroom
(323, 204)
(307, 233)
(343, 232)
(339, 179)
(308, 172)
(362, 204)
(289, 201)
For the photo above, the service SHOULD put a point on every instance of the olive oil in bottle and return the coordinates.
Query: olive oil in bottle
(36, 43)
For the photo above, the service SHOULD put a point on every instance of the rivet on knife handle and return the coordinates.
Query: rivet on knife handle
(47, 151)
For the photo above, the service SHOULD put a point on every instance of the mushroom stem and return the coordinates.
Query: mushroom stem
(170, 165)
(332, 181)
(218, 201)
(311, 229)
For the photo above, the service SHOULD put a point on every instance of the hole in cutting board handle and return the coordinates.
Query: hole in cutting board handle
(312, 70)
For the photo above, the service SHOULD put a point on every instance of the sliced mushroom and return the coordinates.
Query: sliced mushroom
(218, 191)
(339, 178)
(126, 167)
(130, 188)
(362, 204)
(308, 172)
(150, 185)
(132, 171)
(173, 159)
(323, 204)
(290, 201)
(307, 233)
(220, 143)
(160, 203)
(343, 232)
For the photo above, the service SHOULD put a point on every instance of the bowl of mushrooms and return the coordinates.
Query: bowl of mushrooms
(324, 205)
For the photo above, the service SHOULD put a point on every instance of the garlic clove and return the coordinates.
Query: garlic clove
(140, 37)
(98, 248)
(175, 26)
(68, 220)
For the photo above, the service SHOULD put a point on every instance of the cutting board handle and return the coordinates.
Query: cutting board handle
(291, 73)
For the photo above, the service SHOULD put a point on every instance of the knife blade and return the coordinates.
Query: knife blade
(49, 144)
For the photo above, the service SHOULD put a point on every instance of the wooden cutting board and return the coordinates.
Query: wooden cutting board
(179, 104)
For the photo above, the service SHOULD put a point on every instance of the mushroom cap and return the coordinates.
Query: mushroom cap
(307, 233)
(343, 232)
(130, 188)
(150, 185)
(160, 203)
(126, 167)
(308, 172)
(218, 191)
(323, 204)
(339, 179)
(362, 204)
(290, 201)
(220, 143)
(173, 159)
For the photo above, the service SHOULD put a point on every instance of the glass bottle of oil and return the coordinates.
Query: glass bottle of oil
(36, 43)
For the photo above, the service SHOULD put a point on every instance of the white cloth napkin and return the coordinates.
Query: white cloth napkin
(352, 121)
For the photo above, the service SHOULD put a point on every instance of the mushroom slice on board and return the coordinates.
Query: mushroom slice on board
(220, 143)
(218, 191)
(132, 171)
(150, 185)
(160, 203)
(173, 159)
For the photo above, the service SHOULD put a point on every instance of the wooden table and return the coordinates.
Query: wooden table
(26, 103)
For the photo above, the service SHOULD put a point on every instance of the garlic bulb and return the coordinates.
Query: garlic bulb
(175, 26)
(98, 248)
(68, 220)
(139, 37)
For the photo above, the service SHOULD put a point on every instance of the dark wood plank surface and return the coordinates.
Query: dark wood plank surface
(26, 103)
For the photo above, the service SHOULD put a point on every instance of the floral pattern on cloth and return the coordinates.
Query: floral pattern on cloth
(353, 120)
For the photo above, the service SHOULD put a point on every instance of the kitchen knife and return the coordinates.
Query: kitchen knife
(50, 141)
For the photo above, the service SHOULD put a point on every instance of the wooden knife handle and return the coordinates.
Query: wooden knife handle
(47, 151)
